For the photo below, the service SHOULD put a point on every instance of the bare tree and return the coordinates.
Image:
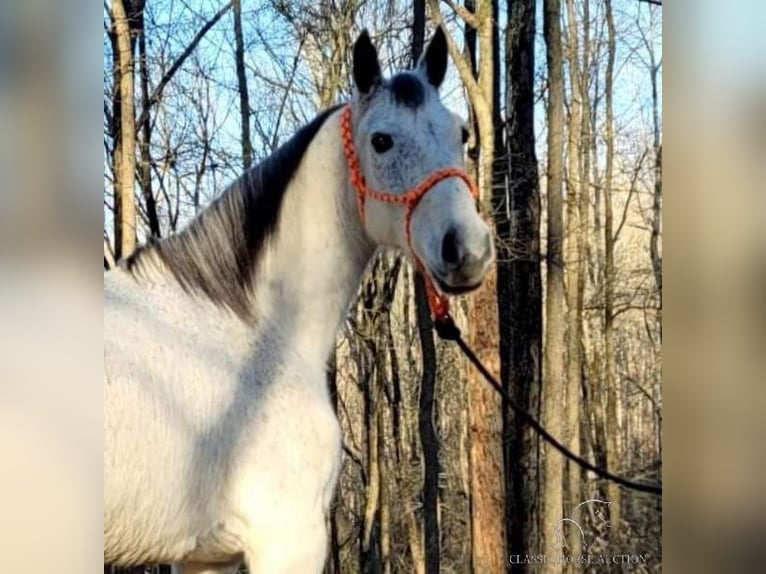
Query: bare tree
(656, 221)
(553, 389)
(576, 229)
(123, 12)
(324, 32)
(612, 425)
(519, 272)
(428, 437)
(244, 98)
(145, 171)
(594, 403)
(485, 414)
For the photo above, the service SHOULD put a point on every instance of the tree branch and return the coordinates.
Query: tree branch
(354, 454)
(109, 13)
(633, 184)
(467, 16)
(157, 93)
(461, 63)
(652, 2)
(280, 113)
(647, 394)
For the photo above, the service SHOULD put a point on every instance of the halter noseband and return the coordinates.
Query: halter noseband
(436, 301)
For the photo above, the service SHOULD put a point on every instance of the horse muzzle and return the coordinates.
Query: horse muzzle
(463, 263)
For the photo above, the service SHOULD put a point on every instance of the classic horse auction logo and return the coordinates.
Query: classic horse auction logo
(600, 514)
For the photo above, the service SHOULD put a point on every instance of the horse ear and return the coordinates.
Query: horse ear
(433, 62)
(366, 65)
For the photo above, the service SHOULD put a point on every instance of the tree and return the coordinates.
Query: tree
(145, 142)
(428, 438)
(484, 411)
(324, 34)
(244, 98)
(594, 252)
(575, 250)
(553, 375)
(123, 13)
(656, 221)
(612, 425)
(519, 279)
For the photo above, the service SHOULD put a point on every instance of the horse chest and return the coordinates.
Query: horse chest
(295, 438)
(214, 458)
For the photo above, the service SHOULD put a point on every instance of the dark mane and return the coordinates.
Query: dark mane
(216, 254)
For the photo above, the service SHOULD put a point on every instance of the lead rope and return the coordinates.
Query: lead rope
(444, 325)
(447, 330)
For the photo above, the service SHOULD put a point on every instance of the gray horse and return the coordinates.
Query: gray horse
(220, 441)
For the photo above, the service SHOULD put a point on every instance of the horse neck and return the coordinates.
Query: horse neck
(316, 260)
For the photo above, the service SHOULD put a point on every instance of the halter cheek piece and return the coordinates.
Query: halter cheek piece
(436, 301)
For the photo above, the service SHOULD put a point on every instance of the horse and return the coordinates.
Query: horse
(221, 444)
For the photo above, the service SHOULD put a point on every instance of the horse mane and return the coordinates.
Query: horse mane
(218, 252)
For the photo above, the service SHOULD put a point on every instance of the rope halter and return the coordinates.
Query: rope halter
(437, 302)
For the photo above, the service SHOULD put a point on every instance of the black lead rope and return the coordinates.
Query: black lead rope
(447, 330)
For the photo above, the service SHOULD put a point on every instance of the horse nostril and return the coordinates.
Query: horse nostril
(451, 252)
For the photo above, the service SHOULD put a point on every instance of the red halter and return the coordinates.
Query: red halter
(436, 301)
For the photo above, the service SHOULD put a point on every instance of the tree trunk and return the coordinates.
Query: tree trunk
(383, 459)
(485, 408)
(519, 272)
(657, 224)
(554, 388)
(585, 170)
(125, 232)
(593, 367)
(654, 242)
(146, 134)
(469, 42)
(370, 535)
(115, 130)
(428, 437)
(244, 97)
(575, 243)
(612, 430)
(403, 421)
(593, 70)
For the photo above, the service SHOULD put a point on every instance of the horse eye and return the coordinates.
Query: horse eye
(382, 142)
(464, 134)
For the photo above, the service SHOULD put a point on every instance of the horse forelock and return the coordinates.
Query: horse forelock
(407, 89)
(217, 254)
